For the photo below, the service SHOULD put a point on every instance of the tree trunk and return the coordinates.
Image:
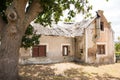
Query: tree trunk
(11, 36)
(9, 53)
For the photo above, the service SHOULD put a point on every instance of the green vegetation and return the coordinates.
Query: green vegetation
(117, 47)
(52, 10)
(117, 53)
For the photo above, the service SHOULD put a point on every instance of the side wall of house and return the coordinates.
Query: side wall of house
(91, 48)
(54, 50)
(105, 38)
(80, 48)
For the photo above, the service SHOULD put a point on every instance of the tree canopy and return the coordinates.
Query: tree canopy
(52, 11)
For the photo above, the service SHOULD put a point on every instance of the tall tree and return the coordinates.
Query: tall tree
(15, 17)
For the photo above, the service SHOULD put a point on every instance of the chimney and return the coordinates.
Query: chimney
(100, 12)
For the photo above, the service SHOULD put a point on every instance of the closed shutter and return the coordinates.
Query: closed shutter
(39, 51)
(35, 51)
(42, 50)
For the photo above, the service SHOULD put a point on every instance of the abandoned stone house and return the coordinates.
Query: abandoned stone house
(89, 41)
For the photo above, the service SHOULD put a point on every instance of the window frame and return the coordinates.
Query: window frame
(63, 50)
(68, 49)
(106, 52)
(101, 47)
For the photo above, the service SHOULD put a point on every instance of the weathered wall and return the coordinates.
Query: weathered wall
(80, 48)
(105, 38)
(54, 50)
(91, 45)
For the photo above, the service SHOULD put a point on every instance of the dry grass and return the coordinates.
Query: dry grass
(70, 71)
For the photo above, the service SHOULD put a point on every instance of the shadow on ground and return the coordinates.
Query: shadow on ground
(44, 72)
(92, 64)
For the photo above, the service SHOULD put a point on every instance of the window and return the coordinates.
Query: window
(39, 51)
(101, 49)
(65, 49)
(102, 26)
(81, 50)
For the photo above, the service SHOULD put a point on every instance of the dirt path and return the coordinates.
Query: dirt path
(70, 71)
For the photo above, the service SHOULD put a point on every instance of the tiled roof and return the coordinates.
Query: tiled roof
(67, 30)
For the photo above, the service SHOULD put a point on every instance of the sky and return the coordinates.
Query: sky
(111, 11)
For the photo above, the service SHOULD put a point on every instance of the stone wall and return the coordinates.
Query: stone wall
(53, 52)
(105, 38)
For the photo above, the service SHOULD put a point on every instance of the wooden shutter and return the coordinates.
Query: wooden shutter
(35, 51)
(42, 50)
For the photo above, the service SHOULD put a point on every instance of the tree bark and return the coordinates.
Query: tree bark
(2, 24)
(11, 36)
(9, 56)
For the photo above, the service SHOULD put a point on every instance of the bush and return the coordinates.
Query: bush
(117, 53)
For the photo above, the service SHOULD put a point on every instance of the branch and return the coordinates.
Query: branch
(20, 6)
(32, 13)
